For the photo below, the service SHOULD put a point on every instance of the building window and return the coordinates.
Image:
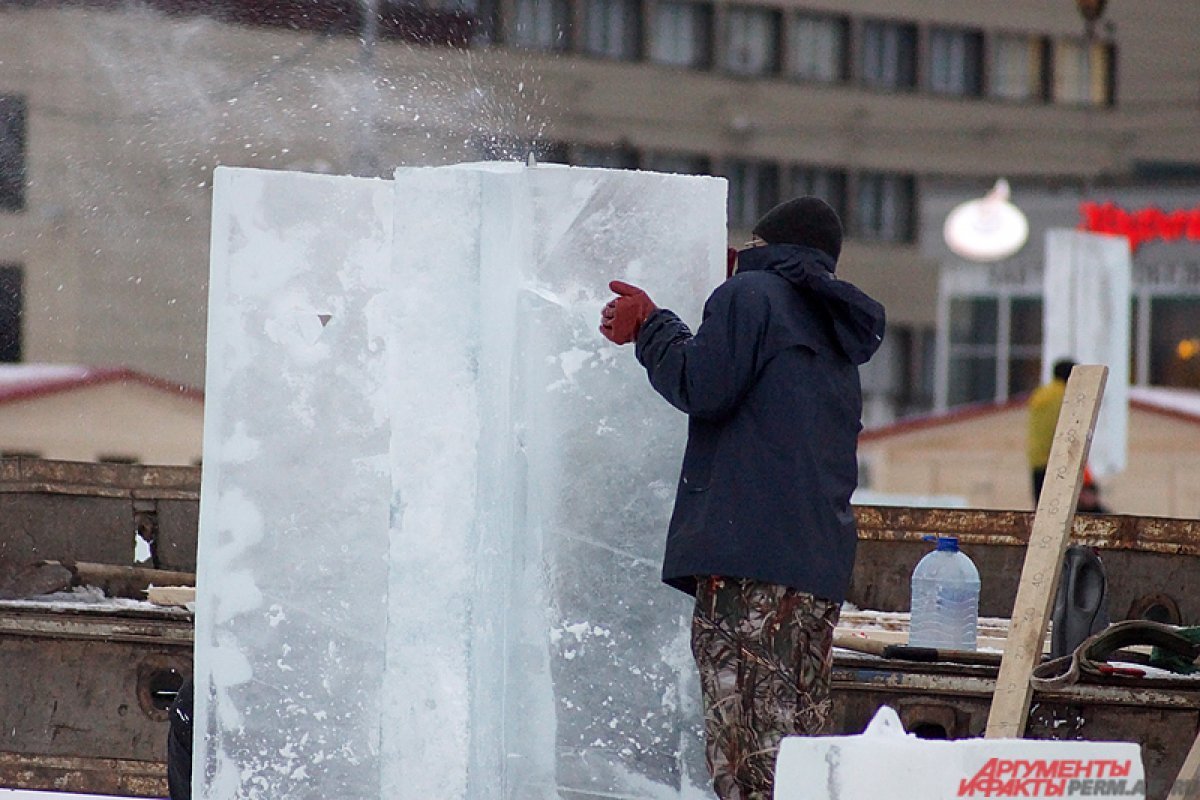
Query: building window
(973, 351)
(917, 348)
(612, 28)
(1175, 341)
(117, 458)
(12, 153)
(481, 16)
(994, 347)
(438, 22)
(1016, 68)
(1082, 73)
(485, 20)
(541, 24)
(827, 184)
(955, 61)
(751, 41)
(994, 344)
(888, 56)
(753, 190)
(677, 163)
(12, 309)
(816, 47)
(682, 34)
(602, 156)
(1025, 345)
(884, 207)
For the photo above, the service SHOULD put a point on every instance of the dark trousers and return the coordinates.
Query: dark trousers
(179, 745)
(1039, 478)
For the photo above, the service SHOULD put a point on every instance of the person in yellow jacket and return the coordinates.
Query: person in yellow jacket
(1044, 406)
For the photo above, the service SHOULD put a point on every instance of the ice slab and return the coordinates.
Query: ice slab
(602, 455)
(512, 479)
(296, 490)
(884, 761)
(1085, 316)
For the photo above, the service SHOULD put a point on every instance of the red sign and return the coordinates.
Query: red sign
(1141, 225)
(1001, 777)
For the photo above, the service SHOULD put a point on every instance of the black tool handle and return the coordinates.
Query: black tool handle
(910, 653)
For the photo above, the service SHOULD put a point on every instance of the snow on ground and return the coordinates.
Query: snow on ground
(90, 598)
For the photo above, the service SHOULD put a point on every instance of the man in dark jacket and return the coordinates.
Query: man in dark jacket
(762, 531)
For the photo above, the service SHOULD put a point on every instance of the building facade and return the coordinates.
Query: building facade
(66, 412)
(975, 457)
(112, 117)
(990, 317)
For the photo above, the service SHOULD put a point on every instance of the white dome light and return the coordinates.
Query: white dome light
(987, 229)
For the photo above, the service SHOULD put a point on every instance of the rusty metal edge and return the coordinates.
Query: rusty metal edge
(1111, 531)
(866, 678)
(93, 775)
(69, 625)
(75, 477)
(95, 490)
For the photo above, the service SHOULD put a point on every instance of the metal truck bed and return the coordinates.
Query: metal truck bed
(86, 687)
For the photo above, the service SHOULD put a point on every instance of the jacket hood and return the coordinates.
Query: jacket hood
(858, 320)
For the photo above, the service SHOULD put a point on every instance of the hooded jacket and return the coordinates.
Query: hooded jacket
(770, 385)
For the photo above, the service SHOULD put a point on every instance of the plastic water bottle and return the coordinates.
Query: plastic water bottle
(945, 598)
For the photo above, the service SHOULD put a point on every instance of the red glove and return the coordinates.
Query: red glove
(622, 318)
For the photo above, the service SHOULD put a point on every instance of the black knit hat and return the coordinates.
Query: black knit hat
(808, 221)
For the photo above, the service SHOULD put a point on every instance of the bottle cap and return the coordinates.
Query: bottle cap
(944, 543)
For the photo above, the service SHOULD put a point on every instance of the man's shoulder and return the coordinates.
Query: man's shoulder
(1047, 392)
(757, 283)
(751, 294)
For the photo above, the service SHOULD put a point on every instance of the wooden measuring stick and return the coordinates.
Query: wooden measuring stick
(1044, 554)
(1187, 782)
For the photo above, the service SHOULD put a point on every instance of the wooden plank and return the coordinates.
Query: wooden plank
(893, 628)
(171, 595)
(1187, 783)
(124, 581)
(1043, 557)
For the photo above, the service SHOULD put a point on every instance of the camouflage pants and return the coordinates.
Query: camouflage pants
(765, 653)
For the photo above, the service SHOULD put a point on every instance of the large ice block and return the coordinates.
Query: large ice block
(296, 490)
(1086, 317)
(603, 452)
(524, 475)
